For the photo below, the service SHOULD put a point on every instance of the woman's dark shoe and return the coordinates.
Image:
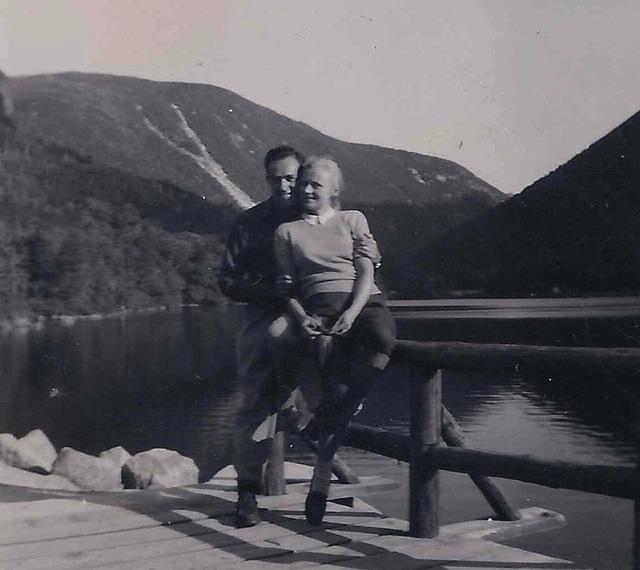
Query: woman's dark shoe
(246, 511)
(315, 507)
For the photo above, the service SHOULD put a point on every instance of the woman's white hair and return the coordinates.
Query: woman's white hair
(332, 166)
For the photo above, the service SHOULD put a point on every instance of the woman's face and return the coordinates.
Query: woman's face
(316, 188)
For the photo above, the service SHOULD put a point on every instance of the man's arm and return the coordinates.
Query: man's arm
(237, 282)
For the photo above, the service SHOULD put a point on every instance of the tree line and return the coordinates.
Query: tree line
(80, 238)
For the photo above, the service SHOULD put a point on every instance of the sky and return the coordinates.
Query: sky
(510, 89)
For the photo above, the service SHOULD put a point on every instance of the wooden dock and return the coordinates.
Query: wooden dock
(191, 527)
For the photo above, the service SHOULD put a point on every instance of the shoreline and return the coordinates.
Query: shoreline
(37, 322)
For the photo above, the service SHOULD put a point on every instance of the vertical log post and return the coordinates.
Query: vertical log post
(273, 480)
(636, 505)
(424, 482)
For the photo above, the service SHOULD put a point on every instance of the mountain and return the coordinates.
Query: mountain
(182, 159)
(212, 142)
(574, 232)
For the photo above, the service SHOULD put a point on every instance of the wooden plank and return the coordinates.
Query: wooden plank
(265, 540)
(442, 549)
(532, 520)
(310, 559)
(280, 528)
(197, 556)
(147, 501)
(94, 521)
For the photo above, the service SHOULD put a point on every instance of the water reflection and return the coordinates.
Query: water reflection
(162, 380)
(167, 380)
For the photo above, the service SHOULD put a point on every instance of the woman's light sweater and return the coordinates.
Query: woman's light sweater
(318, 252)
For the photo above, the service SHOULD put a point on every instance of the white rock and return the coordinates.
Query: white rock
(33, 452)
(159, 468)
(87, 471)
(118, 455)
(19, 477)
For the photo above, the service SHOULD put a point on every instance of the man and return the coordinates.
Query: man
(250, 275)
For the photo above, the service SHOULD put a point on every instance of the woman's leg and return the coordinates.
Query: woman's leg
(373, 337)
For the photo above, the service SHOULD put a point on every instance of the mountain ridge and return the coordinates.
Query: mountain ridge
(244, 129)
(572, 232)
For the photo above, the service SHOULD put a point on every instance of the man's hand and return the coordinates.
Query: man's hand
(366, 246)
(344, 323)
(283, 286)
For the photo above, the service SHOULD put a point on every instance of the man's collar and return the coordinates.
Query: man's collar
(281, 214)
(316, 220)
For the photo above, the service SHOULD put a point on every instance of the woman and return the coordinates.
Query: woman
(336, 297)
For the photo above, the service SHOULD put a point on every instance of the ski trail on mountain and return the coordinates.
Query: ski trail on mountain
(203, 159)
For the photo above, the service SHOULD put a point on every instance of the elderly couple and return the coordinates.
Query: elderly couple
(305, 270)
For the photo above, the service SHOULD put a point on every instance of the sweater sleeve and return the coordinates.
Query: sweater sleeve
(364, 245)
(359, 226)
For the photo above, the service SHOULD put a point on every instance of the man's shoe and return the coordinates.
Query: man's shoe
(315, 507)
(246, 511)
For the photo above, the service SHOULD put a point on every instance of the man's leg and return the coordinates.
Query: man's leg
(269, 355)
(287, 354)
(256, 420)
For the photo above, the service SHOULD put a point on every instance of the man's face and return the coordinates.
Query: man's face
(281, 176)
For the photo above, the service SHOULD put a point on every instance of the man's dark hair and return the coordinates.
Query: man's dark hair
(280, 152)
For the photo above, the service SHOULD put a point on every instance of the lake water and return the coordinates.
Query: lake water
(167, 380)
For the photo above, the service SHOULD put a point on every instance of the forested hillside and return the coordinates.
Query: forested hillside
(81, 238)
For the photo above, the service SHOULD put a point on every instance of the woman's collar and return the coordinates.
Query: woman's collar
(319, 219)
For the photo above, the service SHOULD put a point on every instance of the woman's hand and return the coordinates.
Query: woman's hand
(344, 323)
(311, 326)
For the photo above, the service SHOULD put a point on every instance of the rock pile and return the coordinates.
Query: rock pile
(33, 461)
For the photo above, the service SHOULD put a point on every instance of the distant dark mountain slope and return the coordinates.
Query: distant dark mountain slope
(79, 238)
(575, 231)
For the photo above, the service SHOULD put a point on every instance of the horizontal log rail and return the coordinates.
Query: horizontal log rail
(515, 357)
(598, 479)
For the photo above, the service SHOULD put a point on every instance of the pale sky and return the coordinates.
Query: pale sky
(508, 88)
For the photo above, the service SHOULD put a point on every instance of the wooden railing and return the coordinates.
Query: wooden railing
(424, 447)
(436, 442)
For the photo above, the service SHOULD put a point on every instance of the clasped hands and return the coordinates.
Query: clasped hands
(313, 326)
